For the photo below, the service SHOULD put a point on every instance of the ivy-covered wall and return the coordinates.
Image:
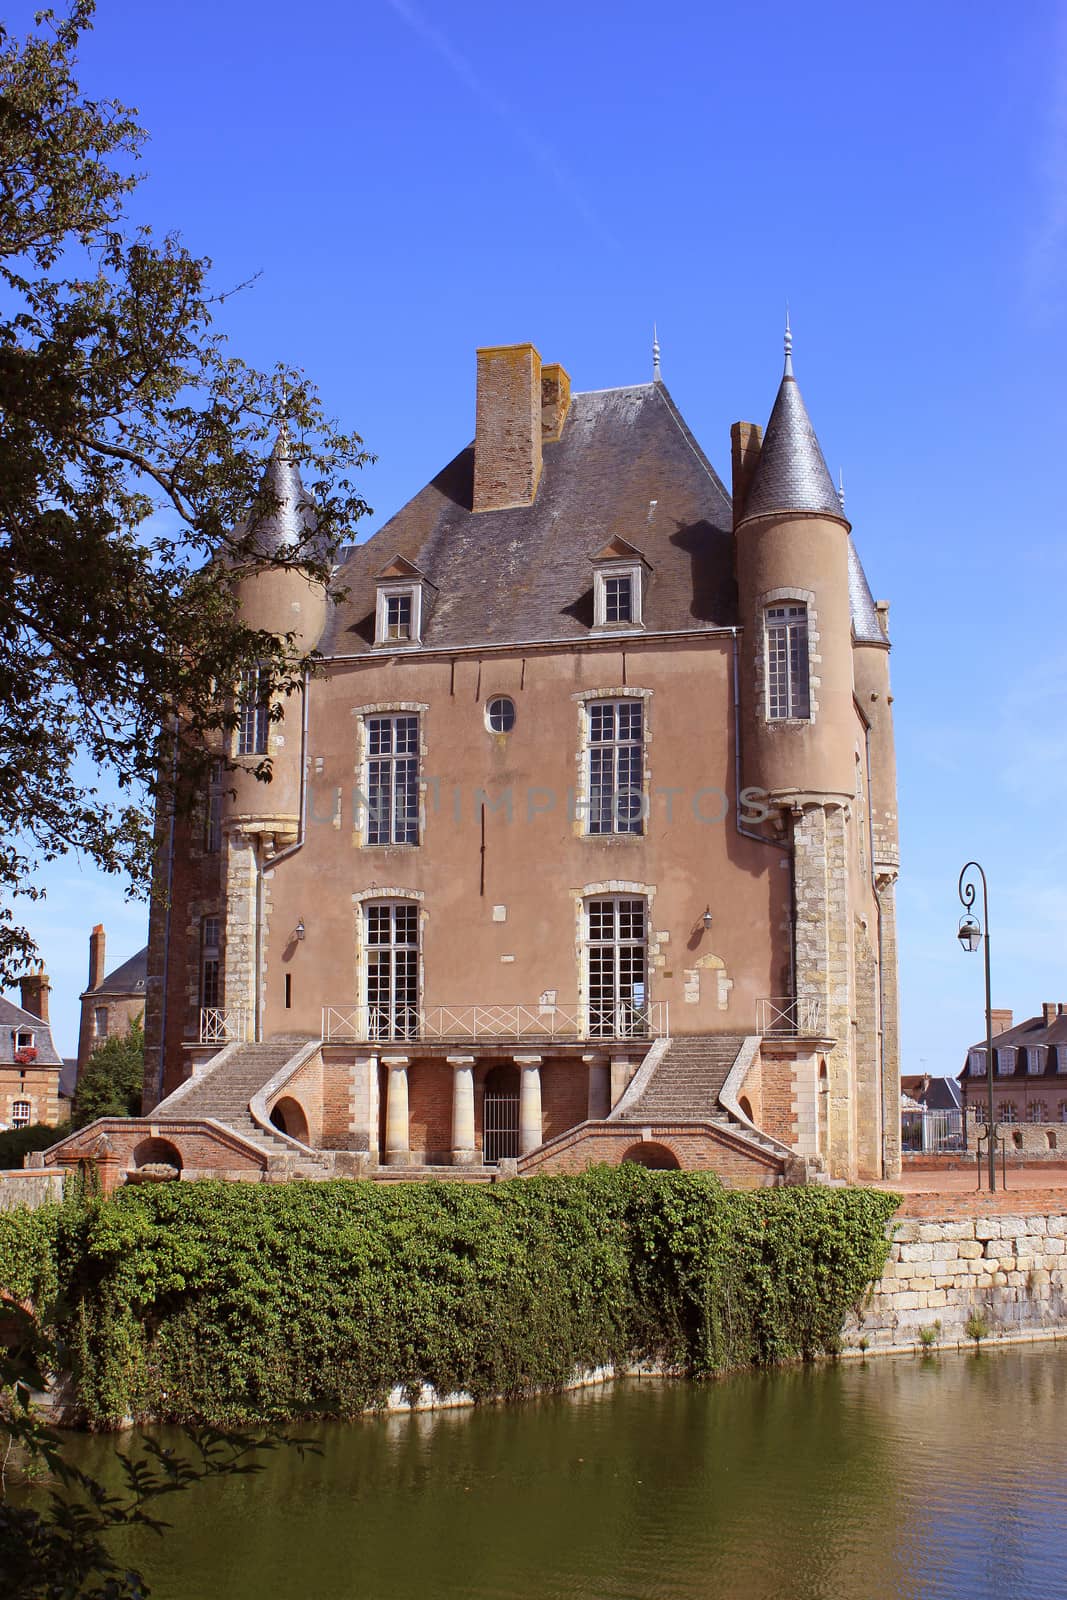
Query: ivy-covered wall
(235, 1302)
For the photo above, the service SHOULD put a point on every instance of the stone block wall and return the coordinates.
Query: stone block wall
(1008, 1267)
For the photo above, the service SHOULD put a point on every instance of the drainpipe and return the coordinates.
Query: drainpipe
(166, 926)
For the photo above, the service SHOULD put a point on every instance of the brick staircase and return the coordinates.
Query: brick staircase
(223, 1093)
(685, 1087)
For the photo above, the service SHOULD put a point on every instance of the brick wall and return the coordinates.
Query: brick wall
(696, 1149)
(564, 1096)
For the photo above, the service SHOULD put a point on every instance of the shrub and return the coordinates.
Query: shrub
(17, 1143)
(110, 1085)
(228, 1302)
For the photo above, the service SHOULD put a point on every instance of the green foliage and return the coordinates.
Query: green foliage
(132, 449)
(233, 1302)
(110, 1085)
(16, 1143)
(929, 1336)
(977, 1326)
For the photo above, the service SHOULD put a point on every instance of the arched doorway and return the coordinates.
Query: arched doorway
(745, 1107)
(288, 1117)
(654, 1156)
(500, 1114)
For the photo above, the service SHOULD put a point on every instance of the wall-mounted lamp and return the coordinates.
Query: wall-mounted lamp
(705, 921)
(299, 931)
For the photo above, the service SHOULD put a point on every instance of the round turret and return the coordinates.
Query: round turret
(792, 546)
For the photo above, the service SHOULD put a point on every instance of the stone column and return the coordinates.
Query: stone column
(397, 1133)
(363, 1105)
(530, 1135)
(886, 889)
(599, 1101)
(464, 1152)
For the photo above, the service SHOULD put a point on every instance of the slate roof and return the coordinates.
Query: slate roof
(12, 1019)
(930, 1092)
(291, 520)
(791, 473)
(625, 465)
(1034, 1031)
(866, 624)
(127, 979)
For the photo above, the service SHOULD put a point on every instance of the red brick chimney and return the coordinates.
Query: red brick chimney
(35, 987)
(97, 956)
(1049, 1012)
(1001, 1020)
(746, 441)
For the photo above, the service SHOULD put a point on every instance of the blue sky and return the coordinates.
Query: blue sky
(413, 180)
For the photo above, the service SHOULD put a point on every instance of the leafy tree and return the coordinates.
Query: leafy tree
(132, 448)
(15, 1143)
(110, 1086)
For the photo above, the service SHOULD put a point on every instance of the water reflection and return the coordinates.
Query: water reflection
(941, 1478)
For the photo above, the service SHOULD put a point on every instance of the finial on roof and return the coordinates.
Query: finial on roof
(841, 487)
(788, 344)
(655, 355)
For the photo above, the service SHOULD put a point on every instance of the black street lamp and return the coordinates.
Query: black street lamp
(971, 936)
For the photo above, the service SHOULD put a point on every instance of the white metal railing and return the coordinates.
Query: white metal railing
(545, 1023)
(799, 1018)
(225, 1024)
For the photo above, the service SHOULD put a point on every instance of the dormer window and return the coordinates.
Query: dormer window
(619, 572)
(403, 604)
(24, 1039)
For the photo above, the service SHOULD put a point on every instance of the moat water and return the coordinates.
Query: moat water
(941, 1477)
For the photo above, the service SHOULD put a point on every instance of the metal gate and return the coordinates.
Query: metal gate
(500, 1140)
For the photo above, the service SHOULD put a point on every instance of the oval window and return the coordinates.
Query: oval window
(500, 715)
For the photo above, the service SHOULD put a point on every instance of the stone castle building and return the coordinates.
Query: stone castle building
(580, 846)
(30, 1064)
(112, 1001)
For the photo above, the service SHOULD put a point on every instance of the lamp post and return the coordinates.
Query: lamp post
(970, 935)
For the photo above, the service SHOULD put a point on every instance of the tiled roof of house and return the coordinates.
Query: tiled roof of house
(129, 979)
(625, 465)
(13, 1019)
(1035, 1031)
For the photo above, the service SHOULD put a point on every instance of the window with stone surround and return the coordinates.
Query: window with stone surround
(100, 1022)
(391, 950)
(210, 963)
(1037, 1111)
(616, 960)
(253, 712)
(21, 1111)
(615, 767)
(392, 784)
(1006, 1112)
(787, 669)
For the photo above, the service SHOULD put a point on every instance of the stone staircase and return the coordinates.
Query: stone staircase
(686, 1084)
(223, 1093)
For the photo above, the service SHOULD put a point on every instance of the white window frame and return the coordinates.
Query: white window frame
(618, 825)
(625, 1014)
(253, 712)
(398, 591)
(21, 1113)
(24, 1039)
(618, 569)
(1035, 1060)
(400, 831)
(1061, 1058)
(1037, 1111)
(402, 1006)
(791, 701)
(1005, 1054)
(1007, 1112)
(976, 1063)
(98, 1031)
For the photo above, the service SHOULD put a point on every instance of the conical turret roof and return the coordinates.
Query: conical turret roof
(289, 523)
(791, 473)
(866, 624)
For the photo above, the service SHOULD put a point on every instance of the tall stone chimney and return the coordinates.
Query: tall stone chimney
(507, 440)
(97, 956)
(746, 440)
(1001, 1020)
(35, 987)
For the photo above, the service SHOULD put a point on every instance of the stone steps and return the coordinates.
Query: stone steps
(224, 1091)
(686, 1085)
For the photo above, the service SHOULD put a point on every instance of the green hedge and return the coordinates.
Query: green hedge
(229, 1302)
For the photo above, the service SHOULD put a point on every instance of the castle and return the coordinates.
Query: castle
(581, 844)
